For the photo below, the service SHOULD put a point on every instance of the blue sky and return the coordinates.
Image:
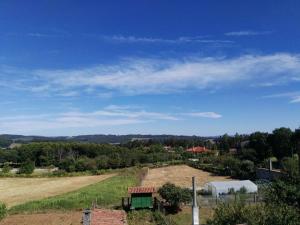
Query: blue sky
(152, 67)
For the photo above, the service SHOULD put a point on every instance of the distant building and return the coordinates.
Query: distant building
(198, 149)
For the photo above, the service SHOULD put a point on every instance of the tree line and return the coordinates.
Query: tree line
(73, 157)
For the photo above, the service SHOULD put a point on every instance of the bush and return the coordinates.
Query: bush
(174, 195)
(6, 168)
(239, 213)
(27, 167)
(243, 190)
(290, 166)
(3, 210)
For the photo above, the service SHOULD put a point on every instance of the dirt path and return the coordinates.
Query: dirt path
(14, 191)
(180, 175)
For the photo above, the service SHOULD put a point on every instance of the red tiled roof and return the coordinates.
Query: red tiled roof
(133, 190)
(197, 149)
(108, 217)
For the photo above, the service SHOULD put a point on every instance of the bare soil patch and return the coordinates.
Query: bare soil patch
(14, 191)
(67, 218)
(180, 175)
(108, 217)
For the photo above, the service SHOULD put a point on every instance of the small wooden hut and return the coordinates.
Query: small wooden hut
(141, 197)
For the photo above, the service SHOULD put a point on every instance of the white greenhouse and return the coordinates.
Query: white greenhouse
(217, 188)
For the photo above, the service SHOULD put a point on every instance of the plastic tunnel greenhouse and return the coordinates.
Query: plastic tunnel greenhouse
(217, 188)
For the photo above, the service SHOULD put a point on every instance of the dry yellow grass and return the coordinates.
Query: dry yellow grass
(51, 218)
(14, 191)
(180, 175)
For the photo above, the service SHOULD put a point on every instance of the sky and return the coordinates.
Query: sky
(190, 67)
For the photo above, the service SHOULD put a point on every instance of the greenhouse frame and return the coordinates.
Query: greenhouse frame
(217, 188)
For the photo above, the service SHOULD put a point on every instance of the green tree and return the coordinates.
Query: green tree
(27, 167)
(6, 168)
(296, 142)
(174, 195)
(280, 141)
(225, 142)
(259, 142)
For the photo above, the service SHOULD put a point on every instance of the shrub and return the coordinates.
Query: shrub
(6, 168)
(174, 195)
(27, 167)
(243, 190)
(3, 210)
(239, 213)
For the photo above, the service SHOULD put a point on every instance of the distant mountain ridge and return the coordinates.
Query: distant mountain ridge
(98, 138)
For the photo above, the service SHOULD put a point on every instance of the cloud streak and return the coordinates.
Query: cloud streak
(294, 97)
(151, 40)
(211, 115)
(247, 33)
(159, 76)
(112, 115)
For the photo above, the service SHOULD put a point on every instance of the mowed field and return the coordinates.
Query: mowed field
(180, 175)
(14, 191)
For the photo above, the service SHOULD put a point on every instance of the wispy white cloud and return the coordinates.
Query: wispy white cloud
(180, 40)
(247, 33)
(158, 76)
(211, 115)
(112, 115)
(294, 97)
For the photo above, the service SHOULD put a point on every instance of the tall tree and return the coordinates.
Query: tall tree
(280, 141)
(296, 141)
(259, 142)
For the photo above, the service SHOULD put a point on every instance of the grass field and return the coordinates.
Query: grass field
(108, 194)
(14, 191)
(180, 175)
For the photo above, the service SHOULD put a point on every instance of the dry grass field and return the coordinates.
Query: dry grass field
(14, 191)
(51, 218)
(180, 175)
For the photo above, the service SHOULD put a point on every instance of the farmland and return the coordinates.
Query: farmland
(179, 175)
(14, 191)
(52, 218)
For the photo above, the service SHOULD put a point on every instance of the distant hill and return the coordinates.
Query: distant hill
(97, 138)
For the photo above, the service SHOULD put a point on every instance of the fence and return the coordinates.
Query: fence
(210, 201)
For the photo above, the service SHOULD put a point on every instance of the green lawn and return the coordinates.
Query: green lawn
(108, 194)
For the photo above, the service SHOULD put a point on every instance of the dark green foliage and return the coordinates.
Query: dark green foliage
(285, 191)
(290, 165)
(6, 168)
(239, 213)
(296, 144)
(280, 141)
(4, 142)
(259, 142)
(174, 195)
(27, 167)
(3, 210)
(73, 157)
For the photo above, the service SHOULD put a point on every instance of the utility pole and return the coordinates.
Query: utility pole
(195, 209)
